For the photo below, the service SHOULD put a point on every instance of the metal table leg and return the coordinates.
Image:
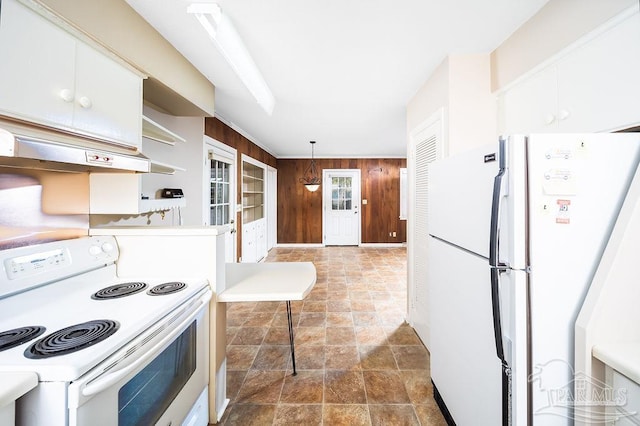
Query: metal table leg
(290, 320)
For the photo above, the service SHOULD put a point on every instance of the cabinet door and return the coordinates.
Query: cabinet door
(598, 82)
(37, 73)
(249, 253)
(531, 106)
(261, 239)
(108, 98)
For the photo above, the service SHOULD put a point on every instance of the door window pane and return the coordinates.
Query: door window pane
(220, 196)
(341, 193)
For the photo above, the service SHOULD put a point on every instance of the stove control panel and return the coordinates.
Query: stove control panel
(28, 267)
(36, 263)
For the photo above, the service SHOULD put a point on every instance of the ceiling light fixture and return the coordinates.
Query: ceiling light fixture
(310, 179)
(230, 45)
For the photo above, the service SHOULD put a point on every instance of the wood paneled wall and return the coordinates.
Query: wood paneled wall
(300, 211)
(225, 134)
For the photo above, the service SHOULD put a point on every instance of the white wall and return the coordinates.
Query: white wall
(472, 106)
(462, 86)
(432, 95)
(187, 155)
(558, 24)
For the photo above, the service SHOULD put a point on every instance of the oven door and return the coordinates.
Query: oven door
(155, 379)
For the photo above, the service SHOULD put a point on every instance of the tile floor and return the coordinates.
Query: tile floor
(358, 362)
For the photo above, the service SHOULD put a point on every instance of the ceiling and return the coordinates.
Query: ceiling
(341, 71)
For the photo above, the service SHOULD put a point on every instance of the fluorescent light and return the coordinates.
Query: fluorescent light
(228, 42)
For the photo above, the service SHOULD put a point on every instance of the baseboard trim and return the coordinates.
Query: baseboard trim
(443, 407)
(299, 245)
(320, 245)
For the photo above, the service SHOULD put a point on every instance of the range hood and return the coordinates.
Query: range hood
(38, 148)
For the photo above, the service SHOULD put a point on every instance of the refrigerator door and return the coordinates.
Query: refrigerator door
(460, 189)
(508, 262)
(464, 366)
(577, 184)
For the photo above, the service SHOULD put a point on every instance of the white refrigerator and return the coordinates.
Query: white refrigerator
(517, 230)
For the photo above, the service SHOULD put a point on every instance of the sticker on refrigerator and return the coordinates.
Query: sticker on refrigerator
(563, 212)
(559, 182)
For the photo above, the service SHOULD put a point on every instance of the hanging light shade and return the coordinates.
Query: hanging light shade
(310, 179)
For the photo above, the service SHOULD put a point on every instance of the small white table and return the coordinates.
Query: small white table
(270, 282)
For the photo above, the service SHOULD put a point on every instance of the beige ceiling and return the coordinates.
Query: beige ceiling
(341, 71)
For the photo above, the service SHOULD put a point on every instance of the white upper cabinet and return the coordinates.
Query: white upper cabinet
(531, 106)
(31, 87)
(108, 98)
(591, 88)
(51, 78)
(598, 83)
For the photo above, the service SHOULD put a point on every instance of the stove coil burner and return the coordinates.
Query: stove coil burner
(166, 288)
(118, 290)
(71, 339)
(12, 338)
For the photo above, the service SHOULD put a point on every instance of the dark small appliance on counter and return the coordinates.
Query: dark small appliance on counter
(172, 193)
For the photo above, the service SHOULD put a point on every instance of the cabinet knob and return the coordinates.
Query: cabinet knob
(66, 95)
(550, 118)
(84, 102)
(564, 114)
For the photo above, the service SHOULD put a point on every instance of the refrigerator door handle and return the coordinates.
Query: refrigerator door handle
(497, 268)
(499, 192)
(494, 238)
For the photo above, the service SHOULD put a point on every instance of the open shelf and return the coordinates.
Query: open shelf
(252, 192)
(157, 132)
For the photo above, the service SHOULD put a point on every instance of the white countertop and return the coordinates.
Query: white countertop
(268, 282)
(623, 357)
(160, 230)
(14, 385)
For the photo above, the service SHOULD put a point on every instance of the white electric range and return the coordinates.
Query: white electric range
(107, 350)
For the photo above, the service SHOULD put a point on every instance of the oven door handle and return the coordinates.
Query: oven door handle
(104, 381)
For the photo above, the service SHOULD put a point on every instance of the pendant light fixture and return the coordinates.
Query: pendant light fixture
(310, 179)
